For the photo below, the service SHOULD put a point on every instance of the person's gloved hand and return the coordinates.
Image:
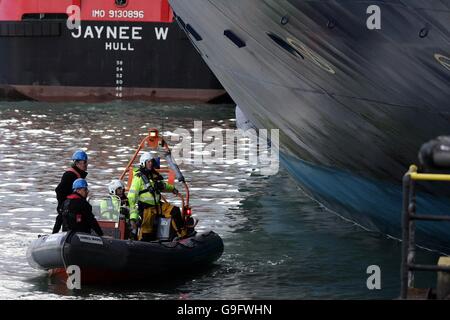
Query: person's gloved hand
(134, 229)
(133, 234)
(160, 186)
(125, 212)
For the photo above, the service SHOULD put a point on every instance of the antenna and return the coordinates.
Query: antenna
(162, 124)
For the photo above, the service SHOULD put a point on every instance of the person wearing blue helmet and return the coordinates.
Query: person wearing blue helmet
(77, 213)
(77, 170)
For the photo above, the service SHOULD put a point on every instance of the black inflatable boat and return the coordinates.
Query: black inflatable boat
(102, 259)
(113, 258)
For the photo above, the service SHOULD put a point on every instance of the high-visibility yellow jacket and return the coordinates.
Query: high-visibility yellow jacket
(139, 192)
(110, 208)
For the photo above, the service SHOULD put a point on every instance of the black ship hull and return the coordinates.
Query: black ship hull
(353, 105)
(45, 61)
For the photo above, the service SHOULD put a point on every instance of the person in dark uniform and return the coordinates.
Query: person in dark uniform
(77, 213)
(64, 188)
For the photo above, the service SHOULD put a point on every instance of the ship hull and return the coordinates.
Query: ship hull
(105, 60)
(353, 105)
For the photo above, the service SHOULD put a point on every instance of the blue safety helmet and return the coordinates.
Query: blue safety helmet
(80, 155)
(79, 184)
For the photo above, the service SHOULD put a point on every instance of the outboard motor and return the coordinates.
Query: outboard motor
(435, 154)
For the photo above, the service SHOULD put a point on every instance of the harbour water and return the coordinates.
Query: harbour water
(279, 244)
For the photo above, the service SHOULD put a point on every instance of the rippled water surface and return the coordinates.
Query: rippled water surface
(278, 243)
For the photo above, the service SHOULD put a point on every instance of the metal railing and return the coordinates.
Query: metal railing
(409, 228)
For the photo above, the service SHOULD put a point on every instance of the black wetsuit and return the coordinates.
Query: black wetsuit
(63, 190)
(77, 215)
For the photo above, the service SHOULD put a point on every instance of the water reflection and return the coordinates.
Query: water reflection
(278, 243)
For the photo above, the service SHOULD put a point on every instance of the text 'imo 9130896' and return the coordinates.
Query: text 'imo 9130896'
(75, 47)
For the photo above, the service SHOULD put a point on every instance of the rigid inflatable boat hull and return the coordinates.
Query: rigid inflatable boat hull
(102, 259)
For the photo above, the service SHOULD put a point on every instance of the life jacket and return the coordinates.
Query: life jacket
(69, 217)
(110, 208)
(150, 186)
(75, 172)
